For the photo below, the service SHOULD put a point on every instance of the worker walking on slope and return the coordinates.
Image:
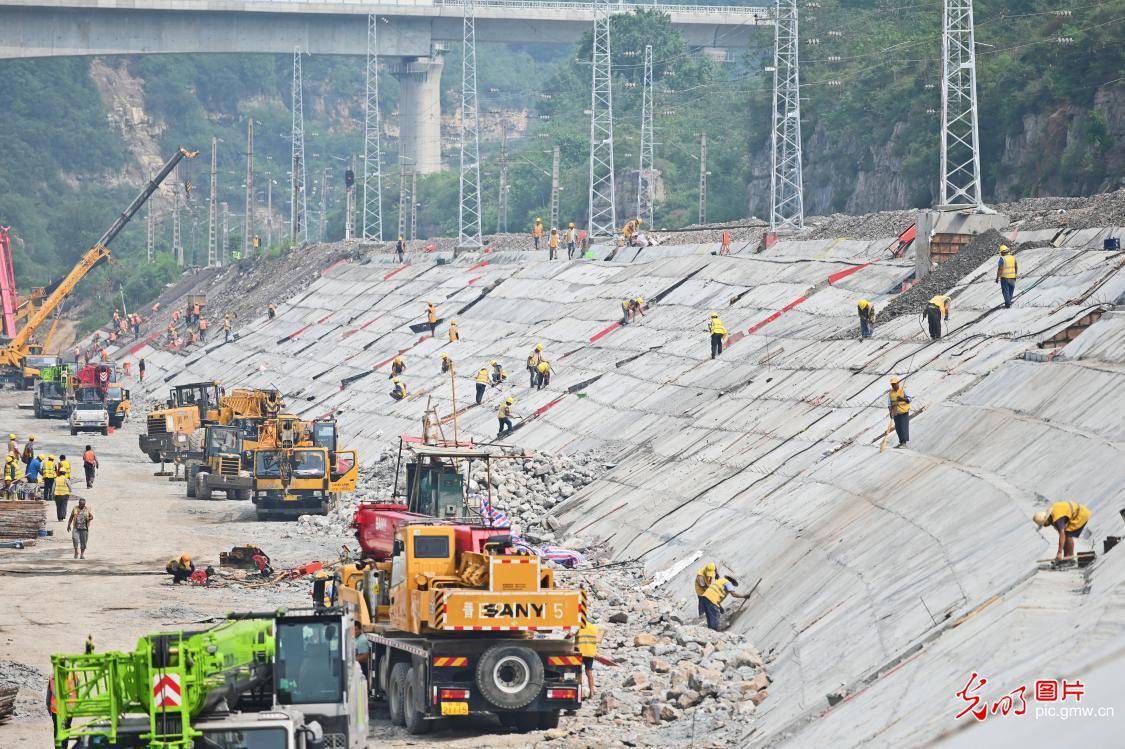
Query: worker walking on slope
(180, 569)
(586, 641)
(936, 309)
(504, 415)
(226, 328)
(533, 364)
(141, 369)
(703, 579)
(494, 378)
(1006, 271)
(724, 246)
(454, 334)
(571, 238)
(553, 244)
(482, 383)
(431, 318)
(714, 596)
(866, 318)
(271, 311)
(203, 330)
(898, 403)
(400, 249)
(537, 231)
(1069, 520)
(718, 334)
(398, 367)
(398, 389)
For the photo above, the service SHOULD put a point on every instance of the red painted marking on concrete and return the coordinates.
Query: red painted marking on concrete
(731, 340)
(839, 275)
(430, 248)
(294, 335)
(473, 280)
(144, 343)
(321, 320)
(543, 409)
(603, 333)
(853, 695)
(330, 267)
(364, 326)
(395, 272)
(481, 264)
(775, 315)
(349, 333)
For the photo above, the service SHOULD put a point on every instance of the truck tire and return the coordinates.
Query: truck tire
(395, 693)
(413, 717)
(242, 495)
(510, 676)
(73, 432)
(202, 489)
(190, 471)
(154, 456)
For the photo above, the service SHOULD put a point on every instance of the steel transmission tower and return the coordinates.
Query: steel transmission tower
(248, 216)
(298, 228)
(703, 178)
(372, 140)
(150, 234)
(644, 170)
(960, 141)
(787, 200)
(405, 194)
(322, 230)
(502, 205)
(602, 208)
(413, 204)
(177, 239)
(555, 189)
(213, 207)
(223, 249)
(468, 216)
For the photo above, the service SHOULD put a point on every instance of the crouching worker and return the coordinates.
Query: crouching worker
(398, 392)
(180, 569)
(1069, 520)
(714, 596)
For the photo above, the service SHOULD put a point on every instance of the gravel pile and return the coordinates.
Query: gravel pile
(32, 686)
(1095, 211)
(885, 224)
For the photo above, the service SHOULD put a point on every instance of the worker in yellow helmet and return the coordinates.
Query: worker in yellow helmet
(553, 244)
(866, 318)
(703, 579)
(533, 364)
(13, 447)
(537, 231)
(504, 415)
(446, 363)
(543, 370)
(431, 318)
(638, 307)
(586, 641)
(400, 249)
(482, 383)
(398, 367)
(454, 333)
(626, 311)
(714, 596)
(180, 569)
(629, 230)
(1069, 520)
(11, 472)
(718, 334)
(1006, 271)
(496, 370)
(398, 392)
(50, 473)
(898, 404)
(571, 238)
(937, 308)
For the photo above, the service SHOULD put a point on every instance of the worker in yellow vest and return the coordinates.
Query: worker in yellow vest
(1069, 520)
(398, 391)
(431, 318)
(482, 383)
(10, 475)
(49, 473)
(638, 307)
(1006, 271)
(446, 363)
(533, 363)
(553, 244)
(866, 318)
(718, 334)
(454, 334)
(703, 580)
(586, 641)
(504, 415)
(543, 370)
(936, 309)
(537, 232)
(626, 311)
(898, 403)
(494, 379)
(398, 367)
(571, 241)
(714, 596)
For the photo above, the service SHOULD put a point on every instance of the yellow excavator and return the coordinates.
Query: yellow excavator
(13, 355)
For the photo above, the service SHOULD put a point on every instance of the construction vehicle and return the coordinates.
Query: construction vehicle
(15, 353)
(54, 392)
(302, 476)
(449, 619)
(278, 680)
(100, 383)
(226, 461)
(172, 428)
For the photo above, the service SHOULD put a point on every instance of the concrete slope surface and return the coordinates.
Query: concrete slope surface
(889, 576)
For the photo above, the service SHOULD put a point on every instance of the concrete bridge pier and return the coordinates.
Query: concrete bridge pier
(419, 110)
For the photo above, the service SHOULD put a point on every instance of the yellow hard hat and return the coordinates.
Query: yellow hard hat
(11, 436)
(538, 219)
(10, 458)
(714, 314)
(444, 355)
(400, 237)
(1040, 518)
(710, 568)
(894, 380)
(185, 558)
(571, 224)
(397, 381)
(539, 347)
(41, 457)
(428, 302)
(494, 362)
(1003, 249)
(453, 321)
(510, 400)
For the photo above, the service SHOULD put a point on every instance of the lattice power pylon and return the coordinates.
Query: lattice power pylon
(372, 140)
(468, 215)
(703, 178)
(150, 233)
(177, 237)
(555, 188)
(248, 212)
(645, 185)
(787, 198)
(960, 140)
(213, 207)
(602, 207)
(502, 198)
(298, 223)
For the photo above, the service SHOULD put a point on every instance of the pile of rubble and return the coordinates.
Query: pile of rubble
(884, 224)
(31, 686)
(1094, 211)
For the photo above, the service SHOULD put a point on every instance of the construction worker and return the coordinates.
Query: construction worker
(724, 247)
(203, 330)
(586, 642)
(543, 369)
(494, 376)
(141, 369)
(504, 415)
(398, 391)
(61, 491)
(718, 334)
(482, 383)
(13, 448)
(400, 249)
(898, 404)
(454, 334)
(1069, 520)
(1006, 271)
(714, 596)
(226, 328)
(89, 466)
(34, 469)
(553, 244)
(79, 526)
(533, 363)
(866, 318)
(116, 318)
(196, 312)
(629, 230)
(431, 318)
(571, 238)
(28, 451)
(537, 232)
(446, 363)
(626, 311)
(180, 569)
(638, 307)
(271, 311)
(50, 472)
(703, 580)
(64, 471)
(936, 309)
(11, 472)
(398, 367)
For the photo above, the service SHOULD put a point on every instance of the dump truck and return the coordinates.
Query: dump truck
(298, 470)
(449, 619)
(276, 680)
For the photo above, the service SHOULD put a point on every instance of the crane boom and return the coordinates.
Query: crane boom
(16, 351)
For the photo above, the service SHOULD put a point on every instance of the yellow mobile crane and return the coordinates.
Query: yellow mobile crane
(14, 354)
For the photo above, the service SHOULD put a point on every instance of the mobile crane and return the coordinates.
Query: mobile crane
(16, 351)
(449, 619)
(276, 680)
